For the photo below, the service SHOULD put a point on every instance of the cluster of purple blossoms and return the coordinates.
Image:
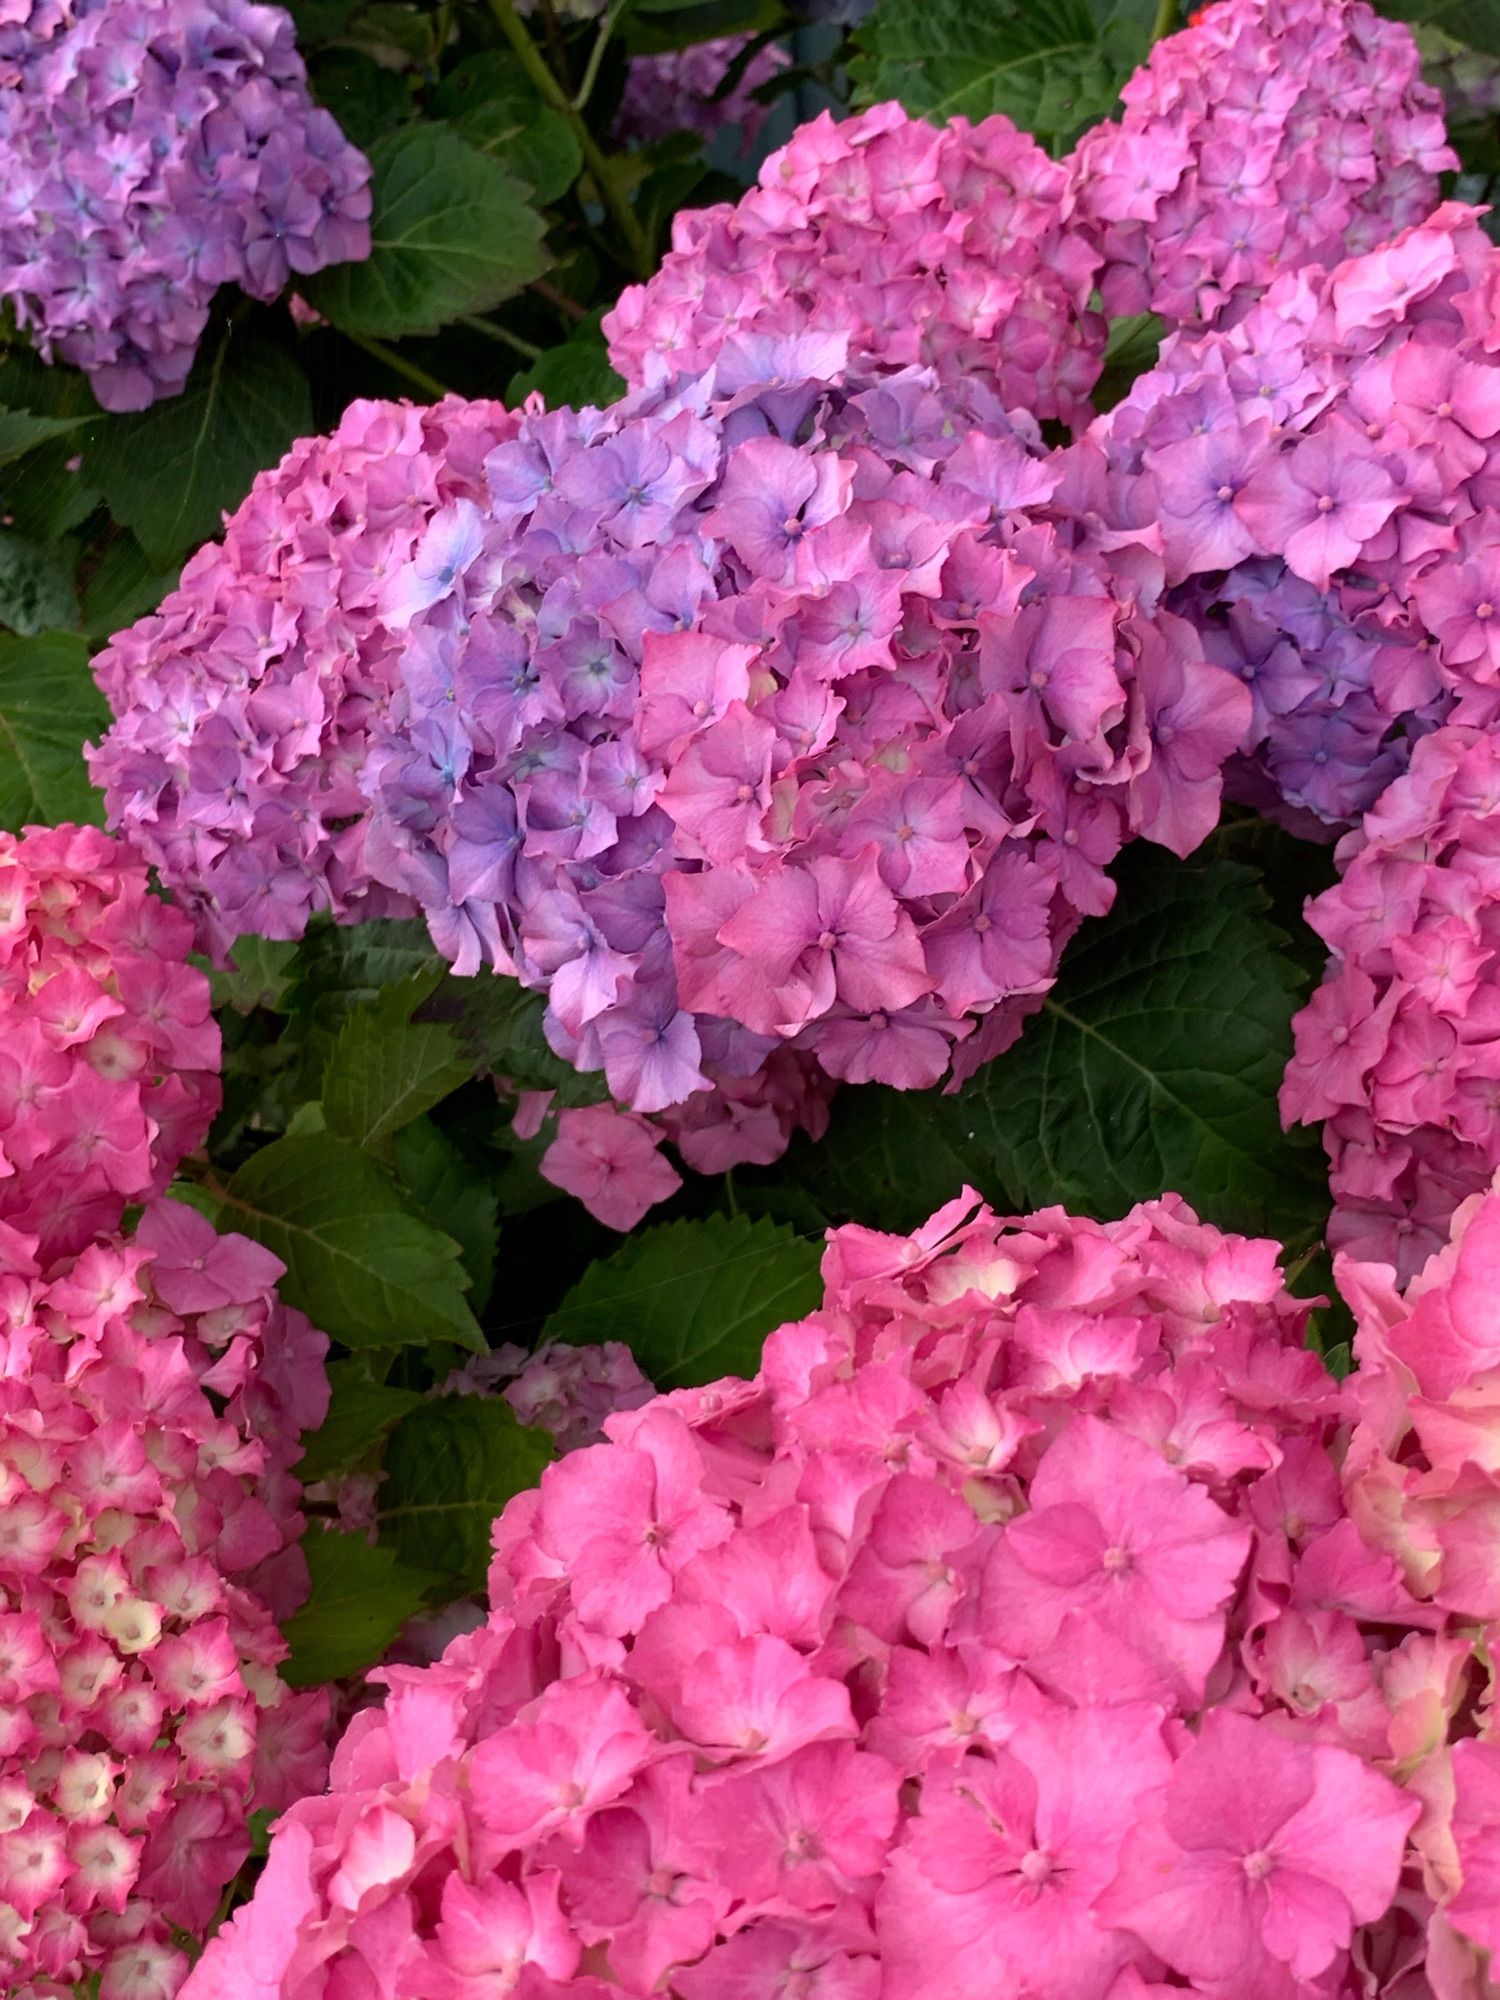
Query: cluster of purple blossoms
(155, 150)
(1399, 1049)
(680, 92)
(741, 720)
(1326, 480)
(1268, 135)
(951, 249)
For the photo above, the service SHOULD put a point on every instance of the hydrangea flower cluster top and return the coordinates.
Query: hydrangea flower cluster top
(1337, 453)
(1006, 1623)
(946, 248)
(1269, 134)
(680, 92)
(109, 1055)
(734, 717)
(155, 150)
(152, 1393)
(1399, 1049)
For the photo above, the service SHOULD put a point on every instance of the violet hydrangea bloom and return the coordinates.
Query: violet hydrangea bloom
(1324, 476)
(752, 718)
(1398, 1052)
(1267, 135)
(863, 1678)
(679, 91)
(155, 150)
(109, 1055)
(153, 1393)
(951, 247)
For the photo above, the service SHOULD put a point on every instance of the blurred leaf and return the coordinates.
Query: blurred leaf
(450, 1467)
(453, 233)
(656, 29)
(1130, 351)
(575, 376)
(21, 432)
(124, 586)
(367, 99)
(37, 592)
(171, 472)
(1475, 23)
(361, 1597)
(1053, 66)
(258, 974)
(888, 1159)
(397, 34)
(49, 707)
(317, 20)
(498, 1024)
(361, 1413)
(491, 103)
(694, 1300)
(359, 1263)
(385, 1069)
(1154, 1064)
(455, 1194)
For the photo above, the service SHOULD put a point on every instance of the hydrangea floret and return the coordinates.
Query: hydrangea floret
(155, 150)
(153, 1393)
(109, 1054)
(747, 722)
(1267, 135)
(1010, 1613)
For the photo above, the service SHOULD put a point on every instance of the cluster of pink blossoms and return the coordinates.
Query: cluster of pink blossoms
(1421, 1482)
(152, 1396)
(749, 719)
(109, 1055)
(1398, 1052)
(1269, 134)
(155, 150)
(1008, 1630)
(1326, 480)
(679, 92)
(946, 248)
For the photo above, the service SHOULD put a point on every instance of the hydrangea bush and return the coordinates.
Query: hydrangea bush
(943, 651)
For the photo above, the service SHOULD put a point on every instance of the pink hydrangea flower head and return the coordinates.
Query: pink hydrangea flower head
(153, 1396)
(1267, 135)
(881, 1671)
(155, 150)
(109, 1057)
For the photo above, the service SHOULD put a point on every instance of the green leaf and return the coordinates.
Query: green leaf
(450, 1467)
(1131, 350)
(37, 592)
(1053, 66)
(49, 706)
(694, 1300)
(498, 1025)
(453, 233)
(361, 1414)
(318, 20)
(386, 1069)
(359, 1263)
(455, 1194)
(489, 101)
(350, 964)
(1476, 23)
(1154, 1064)
(124, 586)
(888, 1159)
(257, 975)
(367, 99)
(361, 1597)
(169, 473)
(20, 431)
(575, 376)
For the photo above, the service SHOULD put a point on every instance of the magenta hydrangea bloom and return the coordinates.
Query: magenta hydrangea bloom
(880, 1673)
(774, 730)
(1423, 1483)
(1336, 453)
(1267, 135)
(679, 92)
(152, 1399)
(951, 248)
(1398, 1053)
(109, 1055)
(155, 150)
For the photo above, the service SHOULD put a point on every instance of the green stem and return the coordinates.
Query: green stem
(596, 54)
(1166, 20)
(503, 334)
(399, 365)
(570, 308)
(552, 92)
